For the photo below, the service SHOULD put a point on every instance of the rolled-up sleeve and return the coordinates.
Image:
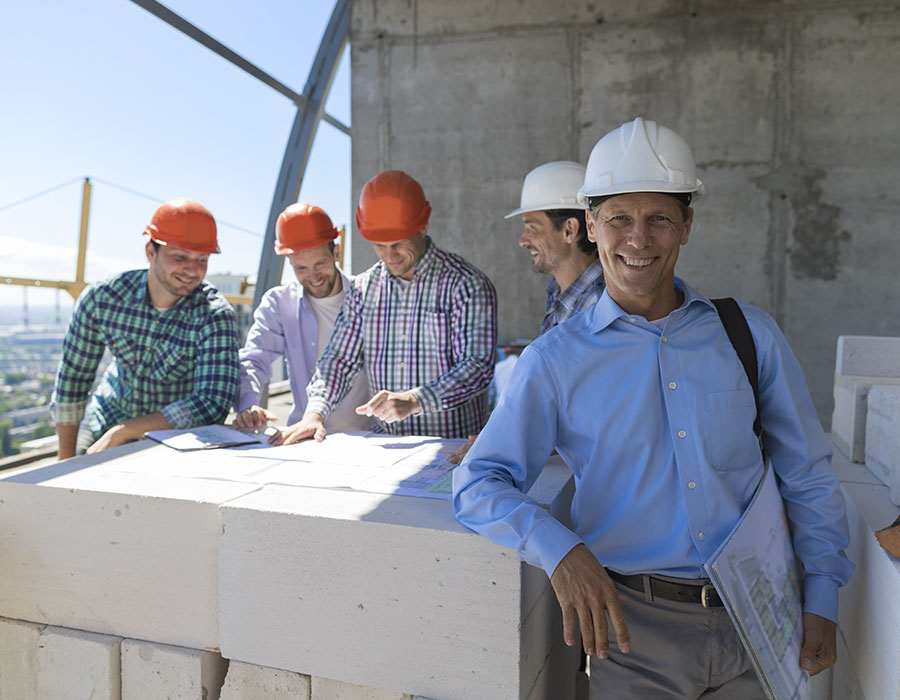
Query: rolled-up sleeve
(82, 350)
(264, 345)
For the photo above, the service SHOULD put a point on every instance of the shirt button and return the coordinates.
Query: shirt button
(682, 434)
(665, 339)
(692, 485)
(403, 364)
(672, 385)
(633, 319)
(701, 536)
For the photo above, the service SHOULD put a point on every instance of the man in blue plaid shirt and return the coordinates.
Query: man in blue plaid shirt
(555, 234)
(173, 339)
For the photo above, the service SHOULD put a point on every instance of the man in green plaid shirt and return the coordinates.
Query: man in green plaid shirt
(173, 338)
(421, 323)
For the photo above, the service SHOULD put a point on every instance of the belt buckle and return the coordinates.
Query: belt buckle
(704, 594)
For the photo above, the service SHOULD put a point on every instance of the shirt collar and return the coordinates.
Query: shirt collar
(606, 310)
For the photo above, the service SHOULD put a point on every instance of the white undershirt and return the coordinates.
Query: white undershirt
(344, 416)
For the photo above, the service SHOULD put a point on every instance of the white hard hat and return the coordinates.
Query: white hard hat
(551, 186)
(640, 156)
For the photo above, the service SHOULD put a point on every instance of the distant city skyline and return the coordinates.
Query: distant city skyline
(108, 91)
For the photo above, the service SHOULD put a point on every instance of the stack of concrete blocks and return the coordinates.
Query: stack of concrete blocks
(862, 362)
(883, 437)
(126, 583)
(866, 431)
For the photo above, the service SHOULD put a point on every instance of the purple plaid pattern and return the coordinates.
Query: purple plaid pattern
(435, 336)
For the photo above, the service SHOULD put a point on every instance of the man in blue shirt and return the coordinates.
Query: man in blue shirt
(646, 400)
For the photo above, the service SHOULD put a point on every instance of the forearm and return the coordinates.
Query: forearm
(136, 428)
(462, 383)
(67, 436)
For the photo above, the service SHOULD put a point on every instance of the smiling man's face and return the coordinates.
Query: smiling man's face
(638, 238)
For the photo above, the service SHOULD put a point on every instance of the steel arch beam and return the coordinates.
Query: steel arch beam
(310, 111)
(300, 141)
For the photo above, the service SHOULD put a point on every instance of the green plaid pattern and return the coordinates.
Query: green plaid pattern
(436, 336)
(181, 361)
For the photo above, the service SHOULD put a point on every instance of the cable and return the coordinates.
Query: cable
(39, 194)
(114, 185)
(160, 201)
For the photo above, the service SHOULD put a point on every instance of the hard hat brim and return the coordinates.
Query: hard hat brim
(546, 207)
(181, 245)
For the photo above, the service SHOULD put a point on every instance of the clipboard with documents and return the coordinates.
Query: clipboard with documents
(206, 437)
(755, 573)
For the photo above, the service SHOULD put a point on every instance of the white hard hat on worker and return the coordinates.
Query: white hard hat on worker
(638, 186)
(640, 156)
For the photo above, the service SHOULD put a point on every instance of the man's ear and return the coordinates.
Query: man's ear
(570, 229)
(150, 251)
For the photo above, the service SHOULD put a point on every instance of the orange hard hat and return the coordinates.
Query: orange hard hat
(392, 207)
(301, 227)
(183, 223)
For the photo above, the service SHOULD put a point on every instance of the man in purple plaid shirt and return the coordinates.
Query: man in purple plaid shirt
(421, 323)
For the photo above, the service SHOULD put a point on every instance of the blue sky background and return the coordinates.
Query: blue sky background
(107, 90)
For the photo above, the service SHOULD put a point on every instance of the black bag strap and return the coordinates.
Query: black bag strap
(742, 339)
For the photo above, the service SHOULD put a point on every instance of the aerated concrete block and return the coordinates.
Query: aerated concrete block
(327, 689)
(848, 422)
(157, 671)
(868, 356)
(19, 643)
(861, 362)
(870, 603)
(251, 682)
(883, 437)
(88, 547)
(76, 664)
(388, 592)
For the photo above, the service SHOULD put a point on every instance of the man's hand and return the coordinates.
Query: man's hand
(115, 436)
(819, 650)
(391, 406)
(582, 586)
(253, 418)
(457, 455)
(310, 426)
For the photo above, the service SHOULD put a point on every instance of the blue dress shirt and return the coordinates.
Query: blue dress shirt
(657, 427)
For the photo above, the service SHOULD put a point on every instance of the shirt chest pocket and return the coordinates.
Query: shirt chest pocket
(155, 361)
(437, 341)
(726, 429)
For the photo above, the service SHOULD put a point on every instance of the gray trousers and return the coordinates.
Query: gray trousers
(679, 651)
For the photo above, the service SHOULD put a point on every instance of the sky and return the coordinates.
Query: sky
(106, 90)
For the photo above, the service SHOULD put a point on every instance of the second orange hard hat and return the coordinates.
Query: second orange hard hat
(185, 224)
(301, 227)
(392, 207)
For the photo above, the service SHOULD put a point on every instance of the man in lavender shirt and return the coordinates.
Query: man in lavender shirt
(296, 320)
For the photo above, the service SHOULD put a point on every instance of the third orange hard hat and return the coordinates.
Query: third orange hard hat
(186, 224)
(392, 207)
(301, 227)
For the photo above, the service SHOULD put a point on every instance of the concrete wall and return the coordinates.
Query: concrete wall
(788, 105)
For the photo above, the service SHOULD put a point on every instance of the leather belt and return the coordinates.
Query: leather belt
(703, 593)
